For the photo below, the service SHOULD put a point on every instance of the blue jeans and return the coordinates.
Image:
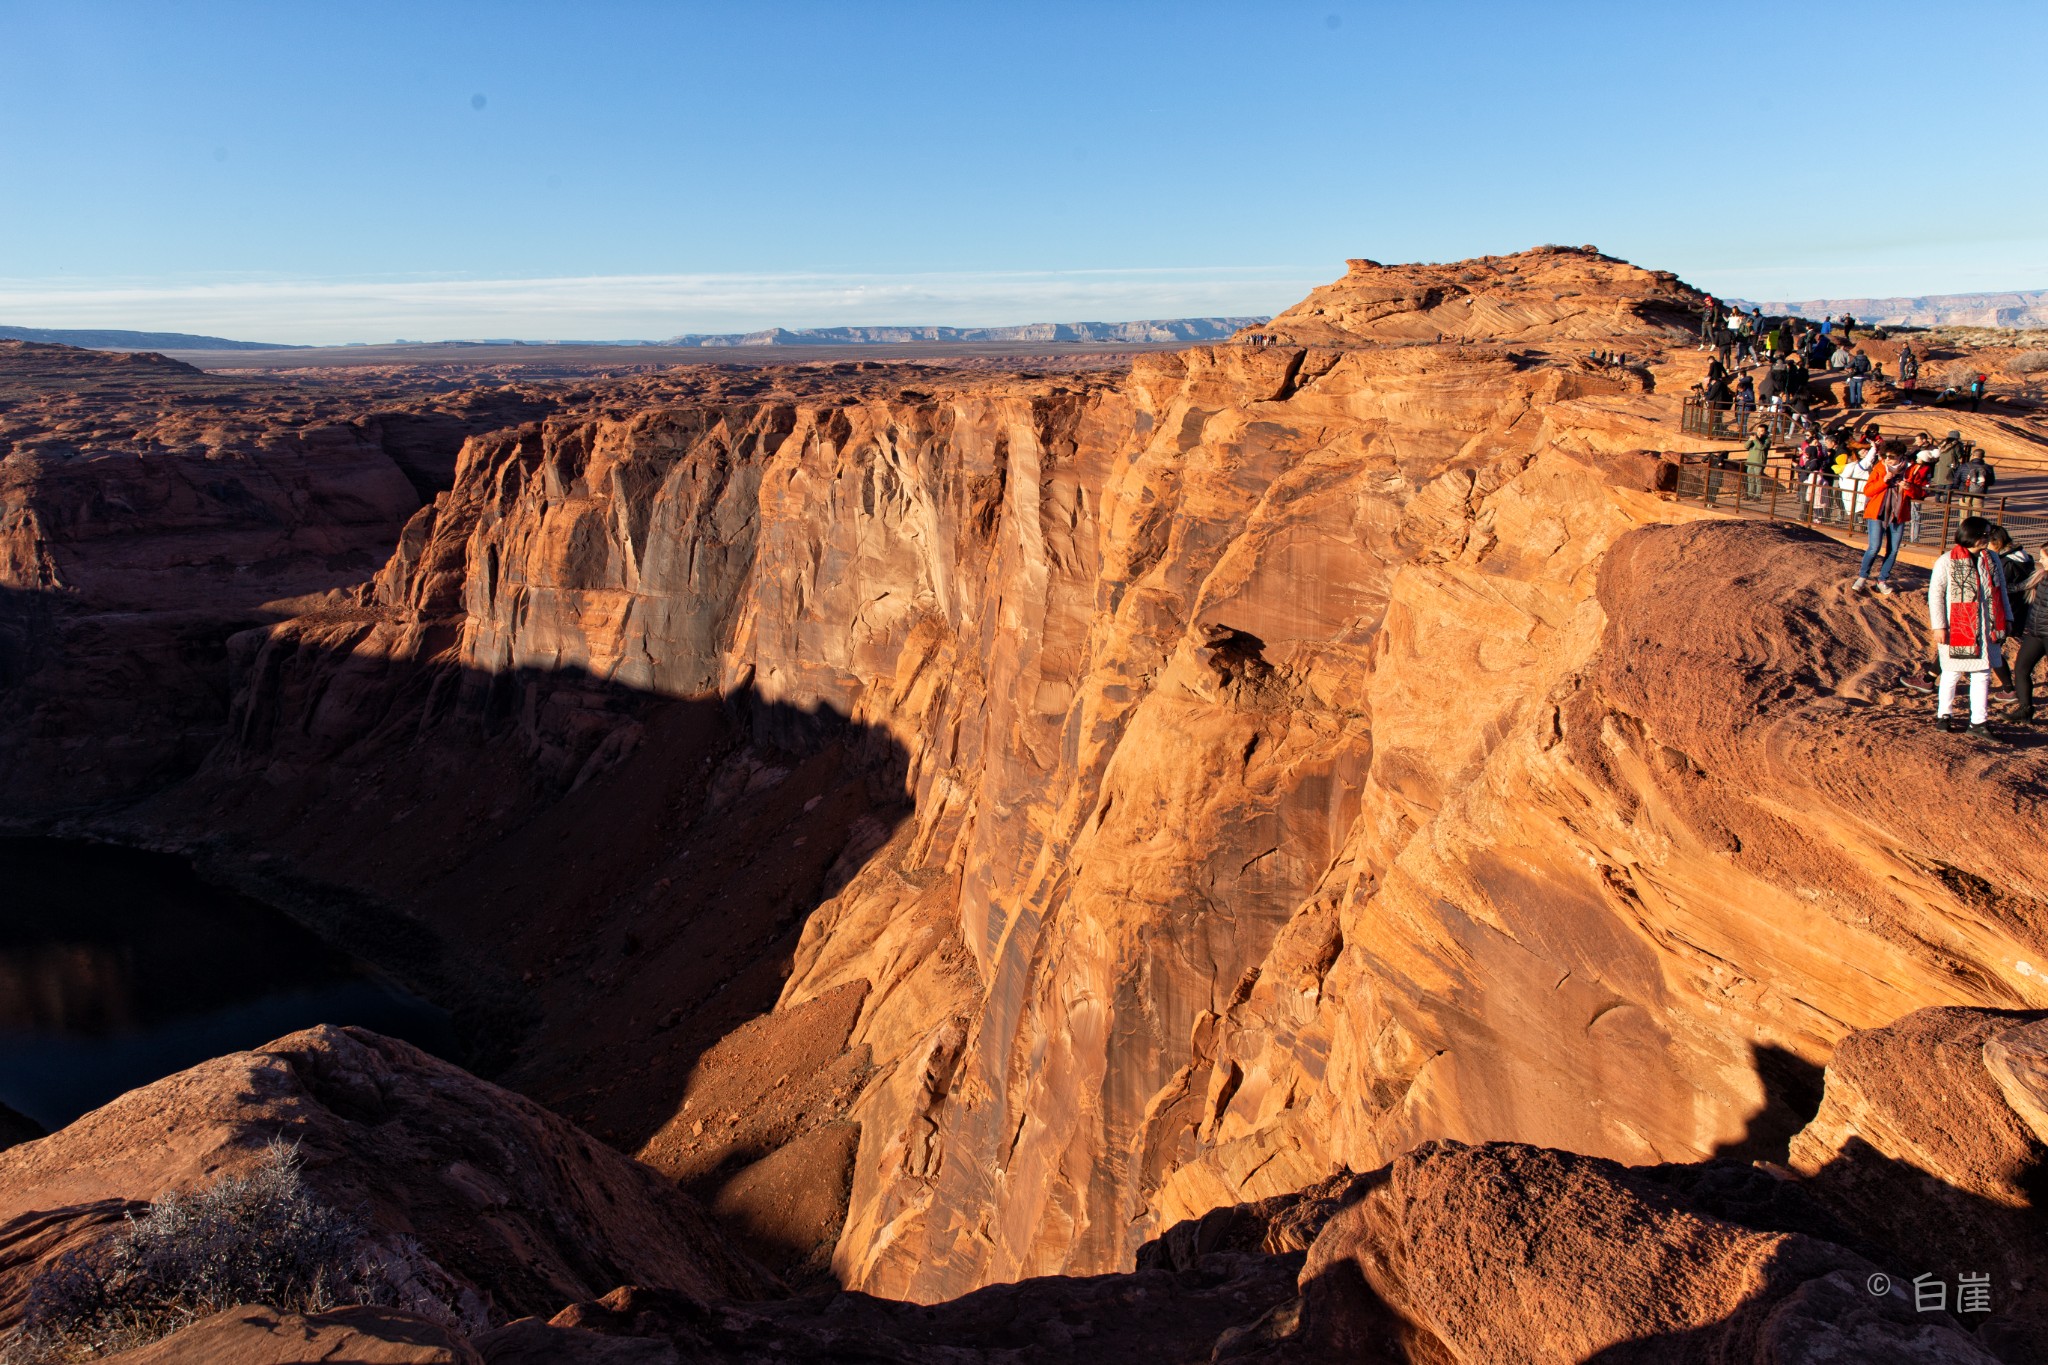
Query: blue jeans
(1887, 534)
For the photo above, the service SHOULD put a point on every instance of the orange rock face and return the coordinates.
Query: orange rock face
(1203, 780)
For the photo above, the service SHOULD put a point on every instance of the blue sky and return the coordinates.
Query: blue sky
(328, 172)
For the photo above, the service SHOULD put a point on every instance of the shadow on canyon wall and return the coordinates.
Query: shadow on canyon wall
(600, 883)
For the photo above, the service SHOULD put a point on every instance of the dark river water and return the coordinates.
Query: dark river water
(118, 968)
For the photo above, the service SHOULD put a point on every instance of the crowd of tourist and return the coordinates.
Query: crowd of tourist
(1986, 593)
(1769, 364)
(1840, 473)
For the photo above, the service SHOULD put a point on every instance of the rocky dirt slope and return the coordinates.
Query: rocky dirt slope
(1053, 809)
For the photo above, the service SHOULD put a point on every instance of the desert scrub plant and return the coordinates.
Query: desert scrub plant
(256, 1237)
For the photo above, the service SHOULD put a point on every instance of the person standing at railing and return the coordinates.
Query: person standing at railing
(1771, 387)
(1818, 461)
(1968, 613)
(2016, 566)
(1924, 456)
(1974, 478)
(1756, 454)
(2033, 635)
(1745, 400)
(1851, 480)
(1946, 459)
(1894, 486)
(1909, 368)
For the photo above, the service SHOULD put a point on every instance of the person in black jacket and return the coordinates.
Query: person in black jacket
(1974, 478)
(2033, 635)
(2018, 567)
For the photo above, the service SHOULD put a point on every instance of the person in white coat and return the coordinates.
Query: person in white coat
(1969, 613)
(1854, 474)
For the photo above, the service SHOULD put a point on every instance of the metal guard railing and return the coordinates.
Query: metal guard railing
(1785, 494)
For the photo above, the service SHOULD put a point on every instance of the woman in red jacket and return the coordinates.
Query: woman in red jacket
(1894, 486)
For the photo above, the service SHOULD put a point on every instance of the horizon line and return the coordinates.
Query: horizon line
(314, 311)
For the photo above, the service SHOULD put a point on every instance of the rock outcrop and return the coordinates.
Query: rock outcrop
(255, 1335)
(1929, 1141)
(1506, 1253)
(483, 1202)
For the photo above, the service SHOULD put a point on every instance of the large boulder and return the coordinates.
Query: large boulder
(490, 1203)
(1508, 1253)
(1932, 1140)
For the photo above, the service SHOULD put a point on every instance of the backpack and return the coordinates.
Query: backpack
(1976, 476)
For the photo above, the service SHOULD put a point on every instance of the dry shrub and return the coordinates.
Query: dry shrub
(261, 1237)
(2027, 362)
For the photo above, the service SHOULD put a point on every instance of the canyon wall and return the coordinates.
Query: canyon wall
(1041, 811)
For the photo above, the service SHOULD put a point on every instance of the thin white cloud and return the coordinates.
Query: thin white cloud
(641, 306)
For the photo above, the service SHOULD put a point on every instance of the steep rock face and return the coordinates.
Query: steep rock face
(512, 1209)
(1203, 782)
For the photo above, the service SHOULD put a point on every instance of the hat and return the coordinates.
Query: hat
(1955, 436)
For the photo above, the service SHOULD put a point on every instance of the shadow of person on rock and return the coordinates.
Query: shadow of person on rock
(1792, 1089)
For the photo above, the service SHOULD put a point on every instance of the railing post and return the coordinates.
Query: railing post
(1948, 507)
(1773, 513)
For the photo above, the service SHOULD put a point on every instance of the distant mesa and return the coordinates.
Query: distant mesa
(1147, 330)
(2013, 308)
(113, 340)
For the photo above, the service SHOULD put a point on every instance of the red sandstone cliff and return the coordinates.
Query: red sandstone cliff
(1126, 799)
